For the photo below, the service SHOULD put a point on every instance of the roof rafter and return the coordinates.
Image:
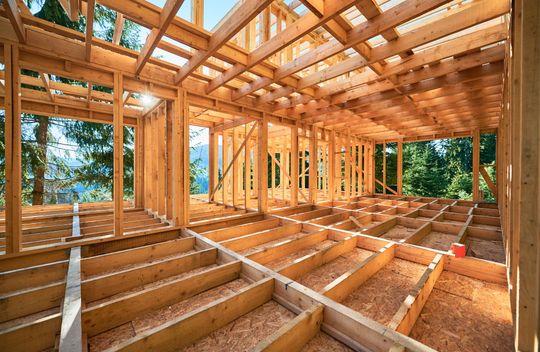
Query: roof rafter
(242, 16)
(168, 13)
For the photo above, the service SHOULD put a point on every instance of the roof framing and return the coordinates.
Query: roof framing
(375, 64)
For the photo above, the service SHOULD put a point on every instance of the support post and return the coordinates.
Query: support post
(384, 167)
(528, 142)
(212, 161)
(400, 168)
(294, 166)
(332, 166)
(262, 141)
(180, 141)
(13, 149)
(313, 167)
(139, 164)
(476, 166)
(118, 187)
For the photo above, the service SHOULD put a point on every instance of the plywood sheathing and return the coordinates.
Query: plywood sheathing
(464, 314)
(160, 316)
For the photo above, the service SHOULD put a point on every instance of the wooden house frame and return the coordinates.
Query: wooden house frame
(303, 89)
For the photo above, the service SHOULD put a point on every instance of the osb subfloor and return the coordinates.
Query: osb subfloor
(157, 317)
(282, 262)
(398, 232)
(438, 240)
(245, 332)
(485, 249)
(268, 244)
(325, 343)
(324, 275)
(380, 297)
(476, 316)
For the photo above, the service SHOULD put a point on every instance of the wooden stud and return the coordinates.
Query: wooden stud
(118, 188)
(13, 150)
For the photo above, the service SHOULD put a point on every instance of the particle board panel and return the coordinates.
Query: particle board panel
(477, 316)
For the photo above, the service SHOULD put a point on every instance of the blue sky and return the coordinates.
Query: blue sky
(214, 10)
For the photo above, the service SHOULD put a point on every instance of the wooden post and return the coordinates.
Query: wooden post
(400, 168)
(361, 168)
(154, 131)
(247, 169)
(313, 165)
(185, 153)
(212, 161)
(272, 152)
(13, 149)
(118, 187)
(371, 159)
(162, 196)
(224, 164)
(197, 12)
(262, 141)
(476, 166)
(384, 167)
(347, 171)
(294, 166)
(147, 163)
(180, 141)
(139, 164)
(332, 166)
(235, 173)
(528, 304)
(354, 168)
(169, 120)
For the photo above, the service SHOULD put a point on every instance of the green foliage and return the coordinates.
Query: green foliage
(439, 168)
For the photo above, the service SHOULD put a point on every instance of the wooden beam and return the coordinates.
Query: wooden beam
(294, 166)
(118, 28)
(400, 168)
(262, 180)
(476, 166)
(118, 177)
(12, 11)
(294, 335)
(12, 140)
(340, 288)
(71, 7)
(313, 164)
(90, 8)
(526, 22)
(71, 335)
(167, 15)
(186, 329)
(405, 318)
(238, 20)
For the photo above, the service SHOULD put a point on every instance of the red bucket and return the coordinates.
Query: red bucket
(458, 249)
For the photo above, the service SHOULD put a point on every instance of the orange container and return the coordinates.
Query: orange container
(458, 249)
